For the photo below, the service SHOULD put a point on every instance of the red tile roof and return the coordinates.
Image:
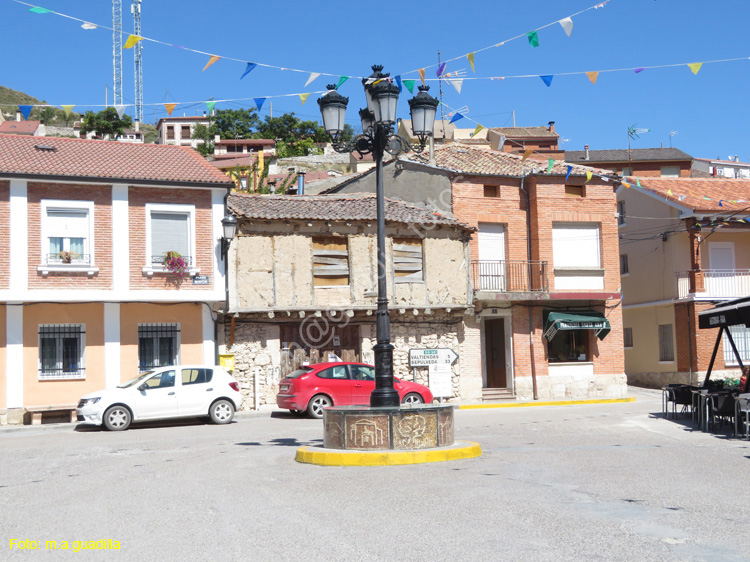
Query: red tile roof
(79, 158)
(350, 207)
(19, 127)
(714, 195)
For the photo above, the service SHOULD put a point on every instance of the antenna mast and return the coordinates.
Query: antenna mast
(117, 50)
(136, 9)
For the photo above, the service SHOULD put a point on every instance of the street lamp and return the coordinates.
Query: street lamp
(378, 138)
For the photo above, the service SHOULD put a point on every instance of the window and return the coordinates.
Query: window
(362, 373)
(741, 337)
(627, 336)
(164, 379)
(569, 346)
(196, 376)
(666, 346)
(624, 264)
(573, 191)
(67, 232)
(491, 191)
(158, 345)
(61, 351)
(575, 246)
(185, 132)
(621, 213)
(407, 260)
(169, 228)
(627, 172)
(330, 261)
(170, 132)
(670, 171)
(338, 372)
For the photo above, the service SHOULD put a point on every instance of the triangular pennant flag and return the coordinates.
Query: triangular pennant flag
(400, 85)
(626, 185)
(313, 76)
(589, 175)
(170, 107)
(707, 198)
(637, 182)
(212, 60)
(210, 106)
(547, 79)
(121, 110)
(38, 10)
(67, 109)
(567, 25)
(570, 169)
(132, 41)
(455, 118)
(440, 70)
(87, 25)
(248, 69)
(695, 66)
(421, 75)
(25, 110)
(259, 102)
(470, 56)
(720, 202)
(593, 76)
(479, 128)
(550, 164)
(341, 81)
(526, 154)
(457, 84)
(303, 98)
(533, 38)
(669, 192)
(637, 70)
(409, 85)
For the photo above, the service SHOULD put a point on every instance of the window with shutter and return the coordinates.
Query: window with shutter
(575, 245)
(67, 232)
(408, 264)
(169, 229)
(330, 261)
(666, 345)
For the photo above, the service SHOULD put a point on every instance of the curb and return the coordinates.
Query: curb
(550, 403)
(336, 457)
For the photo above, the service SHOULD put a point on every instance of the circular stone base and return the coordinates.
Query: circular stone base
(337, 457)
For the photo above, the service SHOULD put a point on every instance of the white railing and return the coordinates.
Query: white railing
(722, 283)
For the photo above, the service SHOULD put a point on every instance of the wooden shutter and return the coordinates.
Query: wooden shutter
(330, 261)
(408, 265)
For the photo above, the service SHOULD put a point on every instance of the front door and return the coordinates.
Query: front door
(494, 351)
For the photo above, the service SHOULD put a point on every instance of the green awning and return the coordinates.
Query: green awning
(587, 320)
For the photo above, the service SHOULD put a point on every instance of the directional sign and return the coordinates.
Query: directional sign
(427, 357)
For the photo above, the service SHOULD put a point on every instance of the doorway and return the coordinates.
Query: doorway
(494, 353)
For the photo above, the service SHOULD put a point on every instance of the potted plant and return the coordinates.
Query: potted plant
(175, 263)
(67, 257)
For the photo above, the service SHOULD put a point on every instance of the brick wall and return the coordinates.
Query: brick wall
(4, 234)
(688, 334)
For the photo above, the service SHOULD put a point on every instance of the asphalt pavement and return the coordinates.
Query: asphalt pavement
(581, 482)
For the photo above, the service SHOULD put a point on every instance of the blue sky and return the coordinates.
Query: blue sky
(53, 58)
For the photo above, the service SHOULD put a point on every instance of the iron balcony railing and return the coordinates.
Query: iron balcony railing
(68, 258)
(159, 260)
(510, 276)
(721, 283)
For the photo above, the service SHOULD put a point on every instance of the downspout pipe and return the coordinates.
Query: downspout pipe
(531, 308)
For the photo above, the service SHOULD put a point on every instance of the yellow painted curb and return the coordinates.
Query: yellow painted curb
(552, 403)
(332, 457)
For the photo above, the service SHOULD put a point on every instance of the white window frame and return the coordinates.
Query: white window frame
(63, 376)
(741, 337)
(671, 343)
(621, 214)
(150, 268)
(664, 169)
(556, 249)
(46, 231)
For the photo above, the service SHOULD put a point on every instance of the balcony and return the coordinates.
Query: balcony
(509, 276)
(713, 283)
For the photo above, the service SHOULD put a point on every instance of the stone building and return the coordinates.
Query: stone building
(304, 286)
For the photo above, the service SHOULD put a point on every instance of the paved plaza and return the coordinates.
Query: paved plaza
(583, 482)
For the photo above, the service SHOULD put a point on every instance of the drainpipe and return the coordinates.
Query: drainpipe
(301, 183)
(531, 308)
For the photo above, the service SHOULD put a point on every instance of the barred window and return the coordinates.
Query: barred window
(158, 345)
(61, 349)
(741, 337)
(666, 345)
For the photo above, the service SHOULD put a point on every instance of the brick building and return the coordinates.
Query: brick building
(641, 162)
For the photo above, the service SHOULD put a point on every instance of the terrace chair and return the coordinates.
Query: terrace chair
(721, 409)
(742, 415)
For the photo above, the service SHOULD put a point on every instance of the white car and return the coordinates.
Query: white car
(179, 391)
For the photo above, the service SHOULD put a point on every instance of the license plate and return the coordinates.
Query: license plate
(284, 387)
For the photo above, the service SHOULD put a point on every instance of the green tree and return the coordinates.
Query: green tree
(150, 134)
(235, 123)
(206, 134)
(48, 115)
(106, 122)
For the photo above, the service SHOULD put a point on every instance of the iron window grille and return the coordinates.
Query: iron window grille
(61, 349)
(158, 345)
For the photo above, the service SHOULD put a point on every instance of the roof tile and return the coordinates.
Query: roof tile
(701, 195)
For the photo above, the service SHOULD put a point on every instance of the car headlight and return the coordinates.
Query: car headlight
(87, 401)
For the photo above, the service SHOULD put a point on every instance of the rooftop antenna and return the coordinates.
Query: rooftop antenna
(135, 8)
(634, 133)
(117, 49)
(671, 134)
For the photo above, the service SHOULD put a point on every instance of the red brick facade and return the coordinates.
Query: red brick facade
(693, 342)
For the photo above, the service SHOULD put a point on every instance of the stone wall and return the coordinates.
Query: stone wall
(658, 380)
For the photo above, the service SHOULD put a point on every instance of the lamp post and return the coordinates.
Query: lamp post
(229, 229)
(378, 138)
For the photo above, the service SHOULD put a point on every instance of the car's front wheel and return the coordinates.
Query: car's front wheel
(316, 405)
(412, 398)
(117, 418)
(221, 411)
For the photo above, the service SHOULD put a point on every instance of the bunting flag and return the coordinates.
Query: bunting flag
(533, 38)
(341, 81)
(170, 107)
(570, 169)
(210, 106)
(456, 117)
(637, 182)
(627, 185)
(25, 110)
(695, 66)
(470, 56)
(720, 202)
(212, 60)
(87, 25)
(132, 41)
(409, 85)
(457, 84)
(547, 79)
(589, 175)
(567, 25)
(311, 79)
(400, 85)
(440, 69)
(67, 109)
(476, 131)
(669, 192)
(421, 75)
(550, 164)
(248, 69)
(637, 70)
(120, 109)
(38, 10)
(526, 154)
(259, 102)
(592, 76)
(303, 98)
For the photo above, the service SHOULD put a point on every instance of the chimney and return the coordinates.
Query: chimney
(204, 113)
(586, 148)
(301, 183)
(736, 158)
(137, 125)
(217, 138)
(551, 126)
(18, 115)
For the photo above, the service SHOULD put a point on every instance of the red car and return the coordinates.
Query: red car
(312, 388)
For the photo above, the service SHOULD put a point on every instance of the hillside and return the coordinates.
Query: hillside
(10, 98)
